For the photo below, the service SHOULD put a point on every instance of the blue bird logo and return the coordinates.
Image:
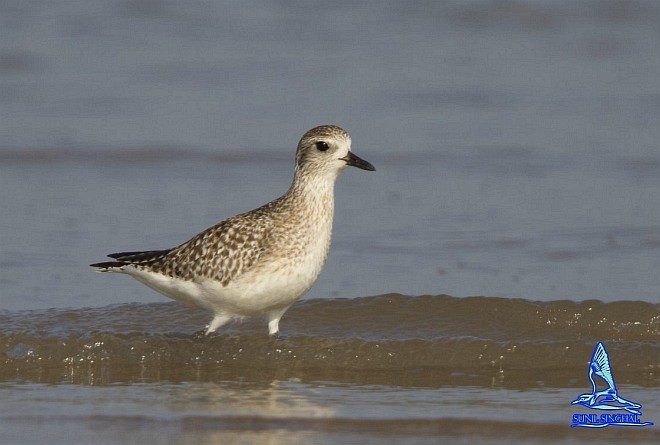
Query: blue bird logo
(608, 398)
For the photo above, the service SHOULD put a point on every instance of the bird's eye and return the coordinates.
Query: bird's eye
(322, 145)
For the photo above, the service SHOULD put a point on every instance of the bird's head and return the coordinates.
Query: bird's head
(325, 151)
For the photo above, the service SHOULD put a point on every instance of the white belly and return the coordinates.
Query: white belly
(270, 287)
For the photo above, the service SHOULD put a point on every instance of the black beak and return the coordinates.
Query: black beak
(358, 162)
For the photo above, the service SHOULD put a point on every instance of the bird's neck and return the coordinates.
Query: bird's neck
(309, 185)
(316, 192)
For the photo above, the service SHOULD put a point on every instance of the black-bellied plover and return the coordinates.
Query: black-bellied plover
(256, 264)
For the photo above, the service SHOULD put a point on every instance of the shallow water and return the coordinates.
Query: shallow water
(390, 340)
(280, 412)
(516, 152)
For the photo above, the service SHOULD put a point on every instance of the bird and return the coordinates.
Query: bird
(608, 398)
(259, 263)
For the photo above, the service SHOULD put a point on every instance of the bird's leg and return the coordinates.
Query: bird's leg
(274, 326)
(218, 320)
(274, 321)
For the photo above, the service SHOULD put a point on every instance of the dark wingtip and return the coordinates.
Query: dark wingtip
(107, 265)
(128, 258)
(123, 254)
(138, 255)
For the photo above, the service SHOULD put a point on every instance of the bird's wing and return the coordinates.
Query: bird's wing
(222, 252)
(600, 363)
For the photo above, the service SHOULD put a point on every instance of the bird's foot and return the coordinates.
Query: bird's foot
(278, 336)
(199, 335)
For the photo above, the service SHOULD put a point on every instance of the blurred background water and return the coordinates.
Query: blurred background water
(516, 147)
(515, 141)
